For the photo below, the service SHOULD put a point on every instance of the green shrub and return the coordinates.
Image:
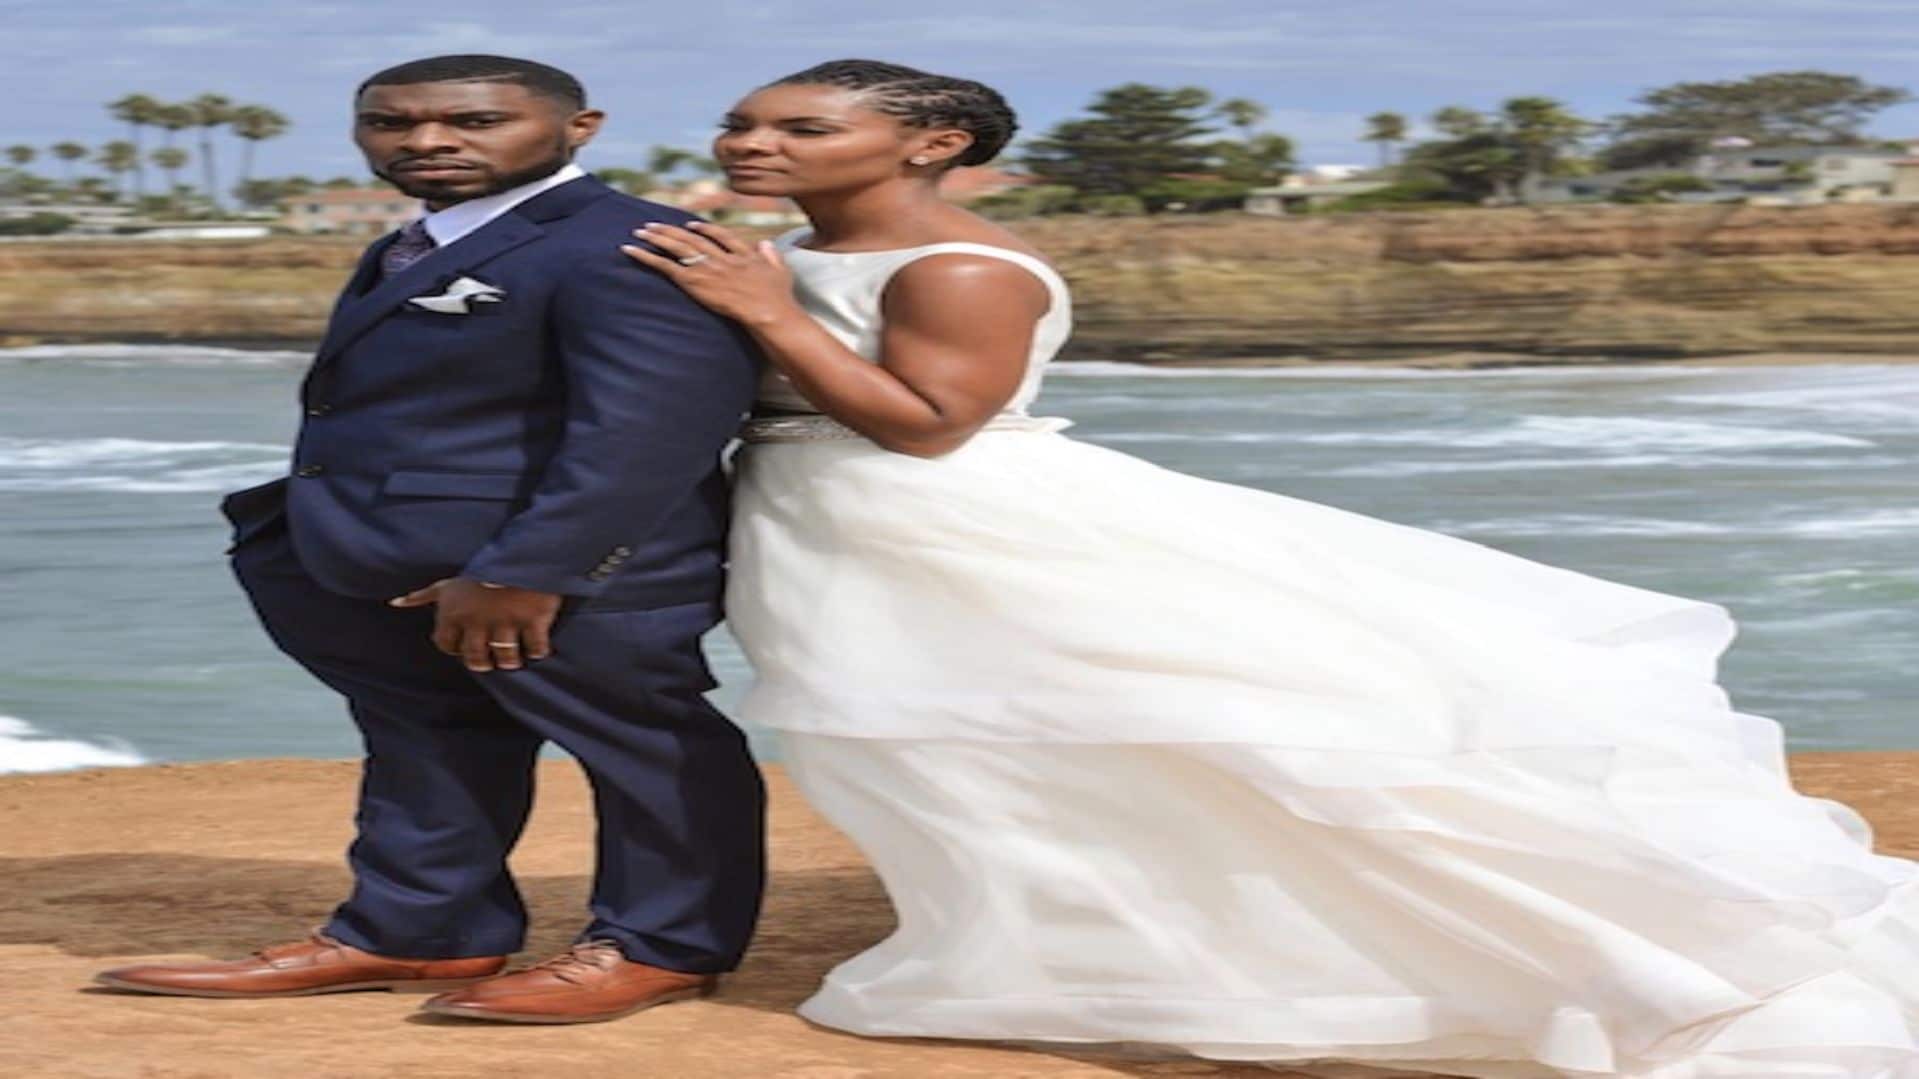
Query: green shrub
(37, 224)
(1195, 196)
(1112, 205)
(1036, 200)
(1421, 194)
(1658, 188)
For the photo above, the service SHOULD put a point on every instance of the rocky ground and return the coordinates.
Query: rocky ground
(103, 867)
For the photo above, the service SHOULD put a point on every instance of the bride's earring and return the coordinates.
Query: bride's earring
(916, 161)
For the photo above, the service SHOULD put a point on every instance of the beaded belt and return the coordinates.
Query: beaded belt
(819, 428)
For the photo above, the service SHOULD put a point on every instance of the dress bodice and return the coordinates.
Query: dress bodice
(843, 290)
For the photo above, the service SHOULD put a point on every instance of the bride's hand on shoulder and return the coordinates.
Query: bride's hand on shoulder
(744, 281)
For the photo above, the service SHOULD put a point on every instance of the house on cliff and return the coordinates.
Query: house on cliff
(348, 211)
(1311, 188)
(1765, 175)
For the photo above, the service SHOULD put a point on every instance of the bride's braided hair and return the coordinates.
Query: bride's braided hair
(922, 99)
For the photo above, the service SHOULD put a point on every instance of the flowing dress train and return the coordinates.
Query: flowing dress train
(1145, 758)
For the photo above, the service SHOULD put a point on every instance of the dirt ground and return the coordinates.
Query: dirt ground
(107, 866)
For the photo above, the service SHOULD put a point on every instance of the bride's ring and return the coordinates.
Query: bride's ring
(503, 644)
(691, 260)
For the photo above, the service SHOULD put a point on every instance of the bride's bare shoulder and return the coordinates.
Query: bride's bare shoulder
(998, 236)
(966, 227)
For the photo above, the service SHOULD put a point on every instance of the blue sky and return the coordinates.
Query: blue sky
(666, 71)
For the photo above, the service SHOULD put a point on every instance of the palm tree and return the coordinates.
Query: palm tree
(1458, 121)
(631, 181)
(22, 155)
(172, 119)
(1388, 129)
(210, 111)
(68, 153)
(171, 160)
(1542, 128)
(1243, 114)
(118, 158)
(255, 123)
(663, 161)
(136, 111)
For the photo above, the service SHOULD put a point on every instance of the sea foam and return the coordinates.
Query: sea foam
(1612, 433)
(24, 748)
(1582, 524)
(1112, 369)
(110, 355)
(1881, 522)
(135, 465)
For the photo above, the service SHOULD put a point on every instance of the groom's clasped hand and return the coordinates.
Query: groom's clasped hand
(488, 626)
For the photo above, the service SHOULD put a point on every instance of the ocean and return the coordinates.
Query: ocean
(1789, 494)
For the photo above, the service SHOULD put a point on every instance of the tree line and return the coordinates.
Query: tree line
(125, 161)
(1138, 149)
(1148, 148)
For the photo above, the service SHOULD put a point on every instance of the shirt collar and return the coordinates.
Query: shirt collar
(461, 218)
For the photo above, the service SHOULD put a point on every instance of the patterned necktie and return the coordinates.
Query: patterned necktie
(414, 244)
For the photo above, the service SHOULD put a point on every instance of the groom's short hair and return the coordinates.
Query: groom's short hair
(538, 78)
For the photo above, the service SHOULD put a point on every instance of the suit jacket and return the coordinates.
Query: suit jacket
(566, 438)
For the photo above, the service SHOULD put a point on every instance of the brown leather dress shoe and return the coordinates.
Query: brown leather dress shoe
(318, 964)
(590, 983)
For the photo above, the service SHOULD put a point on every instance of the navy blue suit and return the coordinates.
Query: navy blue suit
(565, 438)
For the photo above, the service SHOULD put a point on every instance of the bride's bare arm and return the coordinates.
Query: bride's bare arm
(958, 330)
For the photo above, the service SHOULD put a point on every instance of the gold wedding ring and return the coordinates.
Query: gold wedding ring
(691, 260)
(503, 644)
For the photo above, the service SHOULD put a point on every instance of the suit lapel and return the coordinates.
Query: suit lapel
(361, 309)
(426, 277)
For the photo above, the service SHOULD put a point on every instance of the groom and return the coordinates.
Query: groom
(505, 526)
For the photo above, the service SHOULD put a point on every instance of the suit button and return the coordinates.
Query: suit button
(319, 410)
(598, 575)
(623, 551)
(309, 471)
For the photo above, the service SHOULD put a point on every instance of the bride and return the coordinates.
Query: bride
(1144, 758)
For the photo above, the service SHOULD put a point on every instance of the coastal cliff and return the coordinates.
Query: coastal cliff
(106, 866)
(1587, 281)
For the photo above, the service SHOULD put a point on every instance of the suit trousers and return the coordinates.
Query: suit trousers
(449, 772)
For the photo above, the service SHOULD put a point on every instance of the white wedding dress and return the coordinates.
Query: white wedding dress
(1145, 758)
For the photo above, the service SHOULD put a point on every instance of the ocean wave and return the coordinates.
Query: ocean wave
(1400, 469)
(1583, 524)
(24, 748)
(135, 465)
(177, 481)
(1598, 433)
(1871, 523)
(1112, 369)
(57, 453)
(1878, 392)
(1209, 437)
(157, 355)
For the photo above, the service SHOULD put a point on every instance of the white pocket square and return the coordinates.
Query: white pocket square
(459, 297)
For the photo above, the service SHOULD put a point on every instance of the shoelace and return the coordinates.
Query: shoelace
(588, 956)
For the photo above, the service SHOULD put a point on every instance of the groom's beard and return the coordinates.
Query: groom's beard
(443, 193)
